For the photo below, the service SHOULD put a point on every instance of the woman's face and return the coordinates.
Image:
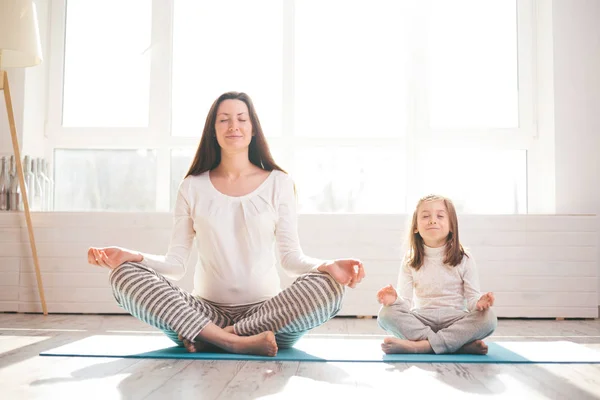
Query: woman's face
(233, 127)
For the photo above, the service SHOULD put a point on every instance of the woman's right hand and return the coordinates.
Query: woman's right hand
(111, 257)
(387, 295)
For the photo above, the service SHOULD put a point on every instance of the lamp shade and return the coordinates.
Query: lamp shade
(19, 34)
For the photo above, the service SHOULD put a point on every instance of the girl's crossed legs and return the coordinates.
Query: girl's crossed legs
(439, 331)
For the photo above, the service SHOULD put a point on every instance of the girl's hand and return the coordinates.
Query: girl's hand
(346, 271)
(485, 302)
(387, 295)
(111, 257)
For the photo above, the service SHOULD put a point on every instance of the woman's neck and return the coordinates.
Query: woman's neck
(236, 165)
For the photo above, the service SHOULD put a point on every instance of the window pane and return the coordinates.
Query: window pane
(107, 63)
(473, 64)
(349, 68)
(105, 180)
(478, 181)
(350, 180)
(181, 160)
(221, 46)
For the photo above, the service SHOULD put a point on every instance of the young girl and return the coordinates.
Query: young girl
(448, 314)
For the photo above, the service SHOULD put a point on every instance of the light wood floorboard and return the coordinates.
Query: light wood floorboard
(26, 375)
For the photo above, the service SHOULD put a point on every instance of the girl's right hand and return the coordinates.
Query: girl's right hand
(111, 257)
(485, 302)
(387, 295)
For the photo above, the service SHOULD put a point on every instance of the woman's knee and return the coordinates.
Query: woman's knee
(123, 272)
(333, 292)
(330, 286)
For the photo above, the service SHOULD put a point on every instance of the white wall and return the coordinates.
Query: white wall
(576, 26)
(537, 265)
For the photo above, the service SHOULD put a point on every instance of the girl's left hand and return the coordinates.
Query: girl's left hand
(346, 271)
(485, 302)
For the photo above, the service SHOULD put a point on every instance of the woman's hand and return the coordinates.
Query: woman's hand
(346, 271)
(485, 302)
(387, 295)
(111, 257)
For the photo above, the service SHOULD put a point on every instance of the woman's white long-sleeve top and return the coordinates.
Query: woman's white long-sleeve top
(236, 239)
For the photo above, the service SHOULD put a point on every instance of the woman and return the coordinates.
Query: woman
(238, 205)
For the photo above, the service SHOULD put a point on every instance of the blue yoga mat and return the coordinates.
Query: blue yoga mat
(336, 349)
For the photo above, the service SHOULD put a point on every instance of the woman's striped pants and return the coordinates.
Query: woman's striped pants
(310, 301)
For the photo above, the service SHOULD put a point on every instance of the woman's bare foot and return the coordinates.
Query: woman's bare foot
(263, 344)
(394, 345)
(229, 329)
(475, 347)
(198, 346)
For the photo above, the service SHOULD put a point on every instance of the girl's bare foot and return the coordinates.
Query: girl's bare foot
(394, 345)
(475, 347)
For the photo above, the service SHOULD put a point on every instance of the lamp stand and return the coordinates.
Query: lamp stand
(13, 133)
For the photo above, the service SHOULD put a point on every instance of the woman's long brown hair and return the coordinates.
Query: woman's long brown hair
(454, 251)
(208, 155)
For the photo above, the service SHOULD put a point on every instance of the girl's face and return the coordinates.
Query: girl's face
(233, 127)
(433, 223)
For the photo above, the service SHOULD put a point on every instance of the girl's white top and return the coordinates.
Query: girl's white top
(236, 238)
(437, 285)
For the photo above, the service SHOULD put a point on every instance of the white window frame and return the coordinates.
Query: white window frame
(157, 134)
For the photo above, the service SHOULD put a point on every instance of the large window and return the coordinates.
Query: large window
(220, 46)
(368, 104)
(107, 71)
(471, 53)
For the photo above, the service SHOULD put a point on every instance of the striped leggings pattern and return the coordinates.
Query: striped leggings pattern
(310, 301)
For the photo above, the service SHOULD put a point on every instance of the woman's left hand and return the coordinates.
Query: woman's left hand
(346, 271)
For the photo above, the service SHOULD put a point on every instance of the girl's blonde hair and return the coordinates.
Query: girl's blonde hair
(454, 251)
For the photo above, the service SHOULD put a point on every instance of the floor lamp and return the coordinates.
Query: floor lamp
(19, 48)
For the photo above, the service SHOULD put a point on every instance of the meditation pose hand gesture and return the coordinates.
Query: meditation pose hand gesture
(111, 257)
(387, 295)
(485, 302)
(346, 271)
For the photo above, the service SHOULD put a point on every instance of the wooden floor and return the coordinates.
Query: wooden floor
(25, 375)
